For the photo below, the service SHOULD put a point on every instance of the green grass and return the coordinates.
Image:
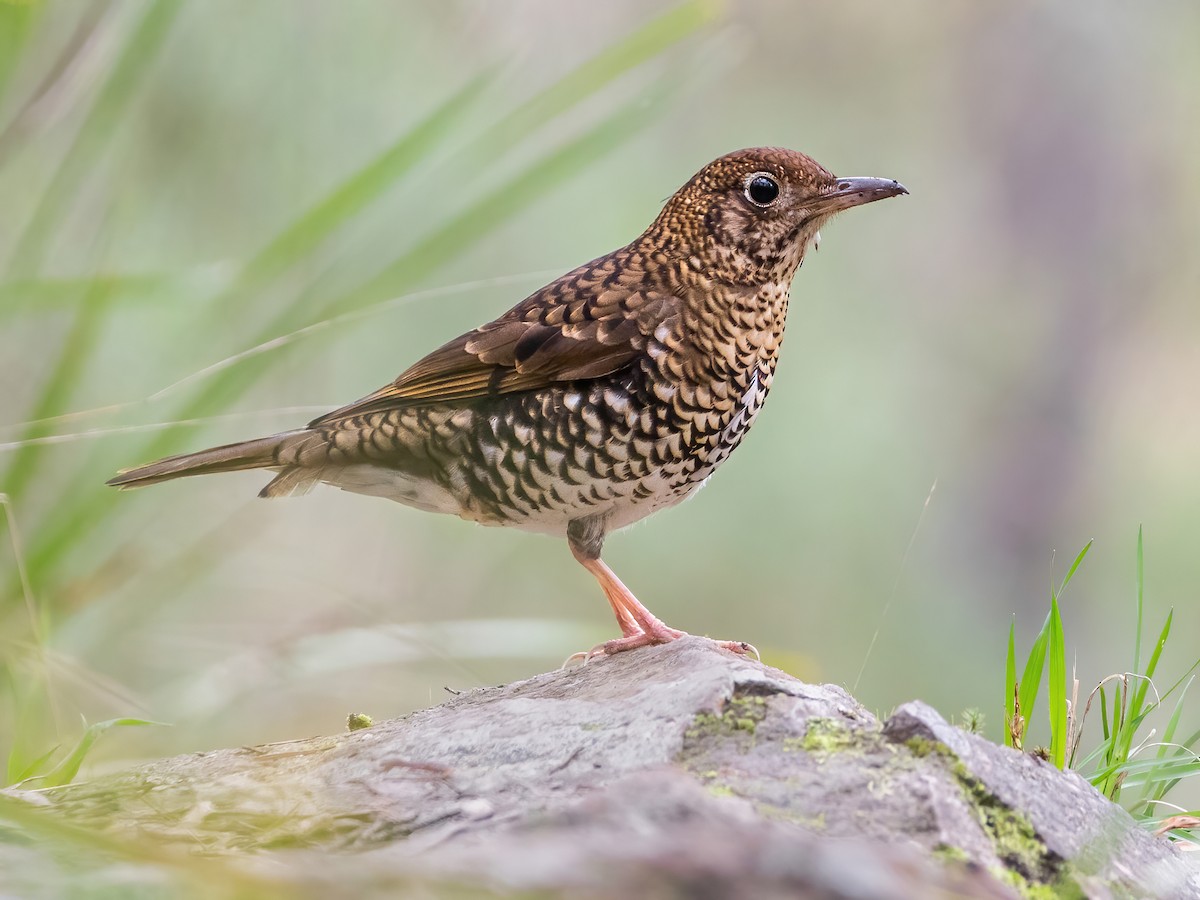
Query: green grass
(1128, 705)
(54, 769)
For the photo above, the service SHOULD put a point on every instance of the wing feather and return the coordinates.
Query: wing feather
(589, 323)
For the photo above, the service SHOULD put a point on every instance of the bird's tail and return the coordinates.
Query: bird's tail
(261, 453)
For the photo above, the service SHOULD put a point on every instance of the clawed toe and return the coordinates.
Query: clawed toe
(583, 657)
(621, 645)
(580, 657)
(643, 639)
(741, 648)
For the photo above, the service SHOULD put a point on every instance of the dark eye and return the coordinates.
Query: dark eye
(761, 190)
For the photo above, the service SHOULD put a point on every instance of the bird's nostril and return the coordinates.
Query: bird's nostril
(845, 185)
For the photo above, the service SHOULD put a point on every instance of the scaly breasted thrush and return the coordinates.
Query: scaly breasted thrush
(612, 392)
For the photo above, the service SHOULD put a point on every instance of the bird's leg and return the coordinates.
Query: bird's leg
(585, 538)
(647, 628)
(625, 620)
(639, 626)
(629, 628)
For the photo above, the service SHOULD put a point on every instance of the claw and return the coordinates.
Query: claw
(742, 648)
(583, 657)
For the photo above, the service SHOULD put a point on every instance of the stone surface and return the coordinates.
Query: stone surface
(679, 770)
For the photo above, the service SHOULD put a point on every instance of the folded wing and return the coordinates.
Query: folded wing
(591, 322)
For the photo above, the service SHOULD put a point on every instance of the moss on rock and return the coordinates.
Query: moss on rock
(739, 718)
(825, 737)
(1028, 866)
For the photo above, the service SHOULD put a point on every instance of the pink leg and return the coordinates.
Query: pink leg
(649, 628)
(628, 624)
(646, 628)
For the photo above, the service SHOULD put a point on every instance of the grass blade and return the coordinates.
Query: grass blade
(1075, 565)
(1104, 715)
(65, 771)
(1152, 666)
(23, 123)
(1168, 737)
(16, 22)
(1135, 713)
(355, 193)
(1056, 687)
(29, 771)
(467, 227)
(1031, 678)
(595, 73)
(56, 392)
(36, 295)
(1188, 745)
(126, 76)
(1151, 772)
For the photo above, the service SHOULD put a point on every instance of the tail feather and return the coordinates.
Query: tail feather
(257, 454)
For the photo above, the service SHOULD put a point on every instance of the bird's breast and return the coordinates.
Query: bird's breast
(713, 374)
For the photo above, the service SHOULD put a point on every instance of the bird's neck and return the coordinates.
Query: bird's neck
(726, 249)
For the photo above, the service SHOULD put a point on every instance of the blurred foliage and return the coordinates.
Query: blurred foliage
(221, 218)
(447, 139)
(54, 769)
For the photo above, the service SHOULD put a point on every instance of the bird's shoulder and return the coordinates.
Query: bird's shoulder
(590, 322)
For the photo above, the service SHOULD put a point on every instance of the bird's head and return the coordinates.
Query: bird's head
(748, 216)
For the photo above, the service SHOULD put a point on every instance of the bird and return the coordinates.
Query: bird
(611, 393)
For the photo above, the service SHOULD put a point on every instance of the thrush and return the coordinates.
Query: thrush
(611, 393)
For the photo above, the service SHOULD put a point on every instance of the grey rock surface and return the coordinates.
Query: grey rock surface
(673, 771)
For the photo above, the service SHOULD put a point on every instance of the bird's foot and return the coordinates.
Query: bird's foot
(639, 626)
(658, 634)
(662, 634)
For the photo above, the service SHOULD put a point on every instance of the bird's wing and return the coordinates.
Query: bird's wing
(591, 322)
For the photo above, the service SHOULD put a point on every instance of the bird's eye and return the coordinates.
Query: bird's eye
(761, 189)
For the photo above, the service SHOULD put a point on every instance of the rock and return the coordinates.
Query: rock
(678, 770)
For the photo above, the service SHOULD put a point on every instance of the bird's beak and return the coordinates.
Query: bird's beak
(848, 192)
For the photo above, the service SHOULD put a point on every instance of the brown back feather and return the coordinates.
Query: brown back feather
(590, 322)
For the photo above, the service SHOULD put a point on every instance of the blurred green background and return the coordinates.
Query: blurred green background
(182, 182)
